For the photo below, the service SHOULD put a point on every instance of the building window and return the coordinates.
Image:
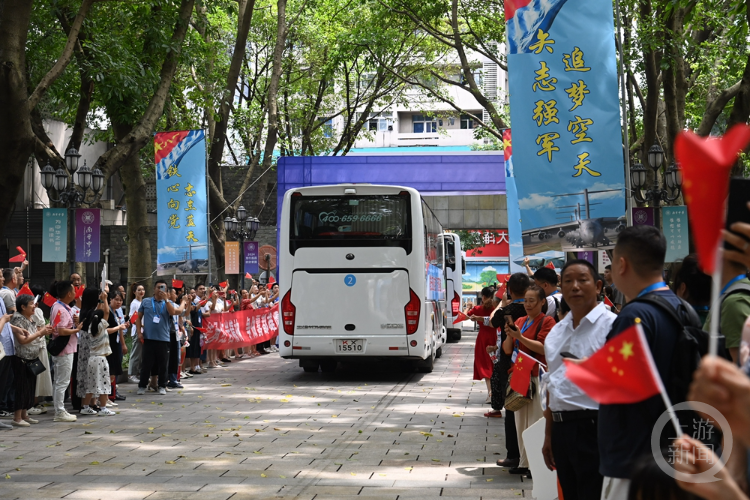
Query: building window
(327, 127)
(422, 124)
(379, 122)
(467, 122)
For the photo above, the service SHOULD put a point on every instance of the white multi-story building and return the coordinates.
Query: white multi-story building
(416, 120)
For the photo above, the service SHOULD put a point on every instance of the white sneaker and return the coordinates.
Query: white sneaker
(162, 391)
(106, 412)
(31, 420)
(111, 404)
(87, 411)
(141, 391)
(34, 411)
(65, 417)
(133, 379)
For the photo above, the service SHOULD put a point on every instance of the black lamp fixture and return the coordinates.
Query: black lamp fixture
(654, 195)
(244, 228)
(71, 194)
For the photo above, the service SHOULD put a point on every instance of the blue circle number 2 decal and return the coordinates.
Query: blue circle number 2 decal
(350, 280)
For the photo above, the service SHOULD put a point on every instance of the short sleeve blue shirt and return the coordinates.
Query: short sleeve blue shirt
(155, 331)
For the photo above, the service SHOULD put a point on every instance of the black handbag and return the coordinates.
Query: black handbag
(34, 366)
(56, 345)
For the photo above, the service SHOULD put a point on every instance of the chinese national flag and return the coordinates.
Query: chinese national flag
(79, 291)
(58, 318)
(134, 318)
(20, 257)
(621, 372)
(271, 280)
(522, 369)
(48, 300)
(25, 290)
(706, 164)
(461, 317)
(608, 302)
(248, 275)
(550, 265)
(223, 284)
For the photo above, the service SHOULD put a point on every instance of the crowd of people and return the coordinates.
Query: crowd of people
(603, 451)
(70, 344)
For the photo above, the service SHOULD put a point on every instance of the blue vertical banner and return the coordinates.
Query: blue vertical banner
(54, 235)
(181, 205)
(674, 221)
(515, 242)
(566, 123)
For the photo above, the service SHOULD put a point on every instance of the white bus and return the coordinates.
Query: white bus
(455, 268)
(361, 275)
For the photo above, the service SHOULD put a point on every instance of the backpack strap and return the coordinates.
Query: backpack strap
(685, 315)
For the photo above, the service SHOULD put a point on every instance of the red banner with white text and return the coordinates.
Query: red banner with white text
(241, 329)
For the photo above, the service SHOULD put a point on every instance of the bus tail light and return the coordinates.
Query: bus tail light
(455, 303)
(411, 311)
(287, 313)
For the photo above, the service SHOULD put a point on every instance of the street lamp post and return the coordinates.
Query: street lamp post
(654, 195)
(244, 228)
(72, 195)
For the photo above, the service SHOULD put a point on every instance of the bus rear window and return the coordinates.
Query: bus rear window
(324, 221)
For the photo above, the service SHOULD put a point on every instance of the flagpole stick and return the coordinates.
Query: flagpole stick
(670, 410)
(713, 342)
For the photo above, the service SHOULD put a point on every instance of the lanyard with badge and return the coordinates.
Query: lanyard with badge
(157, 312)
(516, 345)
(732, 282)
(651, 288)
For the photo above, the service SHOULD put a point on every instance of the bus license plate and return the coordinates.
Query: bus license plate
(350, 346)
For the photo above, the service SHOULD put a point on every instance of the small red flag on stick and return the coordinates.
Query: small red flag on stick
(20, 257)
(522, 369)
(25, 290)
(706, 164)
(48, 300)
(461, 317)
(621, 372)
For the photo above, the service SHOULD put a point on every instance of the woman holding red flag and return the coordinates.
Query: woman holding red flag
(487, 336)
(527, 336)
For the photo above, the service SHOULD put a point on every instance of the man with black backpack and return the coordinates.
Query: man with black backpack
(625, 430)
(546, 279)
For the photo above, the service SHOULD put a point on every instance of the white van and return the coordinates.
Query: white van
(455, 268)
(361, 275)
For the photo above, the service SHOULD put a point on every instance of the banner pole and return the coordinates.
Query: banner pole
(208, 217)
(626, 139)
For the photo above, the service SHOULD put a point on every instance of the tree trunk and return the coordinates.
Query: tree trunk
(16, 135)
(139, 231)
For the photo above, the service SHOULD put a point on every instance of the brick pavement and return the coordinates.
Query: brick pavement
(262, 428)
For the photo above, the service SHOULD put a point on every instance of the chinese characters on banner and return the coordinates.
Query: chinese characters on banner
(54, 235)
(251, 257)
(181, 202)
(240, 329)
(675, 228)
(566, 123)
(232, 257)
(88, 227)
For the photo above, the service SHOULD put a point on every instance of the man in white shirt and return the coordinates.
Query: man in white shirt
(570, 443)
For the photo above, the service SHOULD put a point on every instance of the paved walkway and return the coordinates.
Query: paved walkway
(262, 428)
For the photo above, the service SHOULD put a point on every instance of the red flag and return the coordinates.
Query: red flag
(223, 284)
(177, 284)
(58, 318)
(134, 317)
(507, 144)
(522, 369)
(248, 275)
(79, 291)
(48, 300)
(25, 290)
(20, 257)
(271, 280)
(608, 302)
(706, 164)
(461, 317)
(621, 372)
(550, 265)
